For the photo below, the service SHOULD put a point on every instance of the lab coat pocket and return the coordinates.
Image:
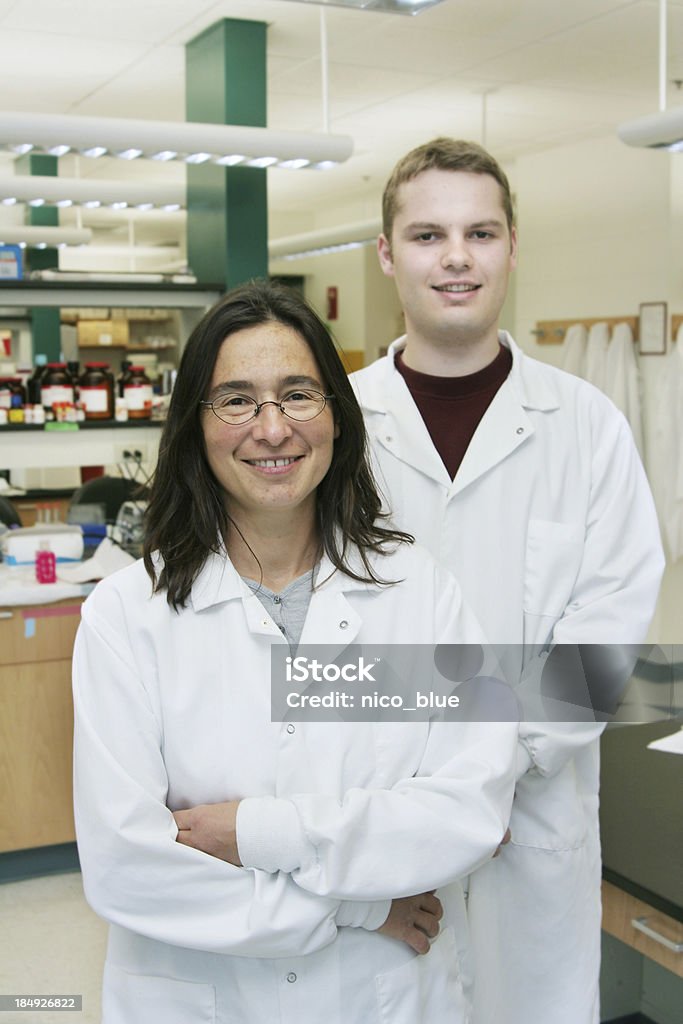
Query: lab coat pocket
(426, 989)
(553, 559)
(547, 812)
(140, 998)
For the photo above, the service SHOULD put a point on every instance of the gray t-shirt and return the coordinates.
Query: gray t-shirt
(288, 608)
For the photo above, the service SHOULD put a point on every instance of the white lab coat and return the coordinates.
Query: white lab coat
(623, 380)
(173, 710)
(550, 527)
(574, 350)
(595, 365)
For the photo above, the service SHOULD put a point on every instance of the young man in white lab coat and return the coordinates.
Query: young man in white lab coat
(524, 481)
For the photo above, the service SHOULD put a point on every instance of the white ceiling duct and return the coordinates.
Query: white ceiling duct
(358, 232)
(190, 142)
(663, 130)
(44, 237)
(92, 192)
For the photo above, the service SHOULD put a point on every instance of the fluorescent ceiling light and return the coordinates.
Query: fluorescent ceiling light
(263, 161)
(325, 250)
(189, 141)
(294, 165)
(197, 158)
(386, 6)
(663, 130)
(232, 159)
(351, 235)
(88, 192)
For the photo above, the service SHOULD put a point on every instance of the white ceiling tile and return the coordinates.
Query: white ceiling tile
(120, 20)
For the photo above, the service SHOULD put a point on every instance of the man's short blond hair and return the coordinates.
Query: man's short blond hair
(443, 154)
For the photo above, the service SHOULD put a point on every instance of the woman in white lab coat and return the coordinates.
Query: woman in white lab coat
(257, 870)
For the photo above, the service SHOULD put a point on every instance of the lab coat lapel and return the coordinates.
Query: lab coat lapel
(404, 434)
(331, 618)
(503, 428)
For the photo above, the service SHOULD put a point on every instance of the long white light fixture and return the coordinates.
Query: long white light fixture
(663, 130)
(41, 190)
(656, 131)
(387, 6)
(324, 240)
(188, 141)
(33, 237)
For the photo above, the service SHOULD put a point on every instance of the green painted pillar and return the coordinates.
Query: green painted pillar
(227, 207)
(45, 327)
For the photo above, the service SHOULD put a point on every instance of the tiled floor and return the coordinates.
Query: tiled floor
(51, 942)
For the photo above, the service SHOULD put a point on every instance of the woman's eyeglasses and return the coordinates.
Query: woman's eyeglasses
(297, 405)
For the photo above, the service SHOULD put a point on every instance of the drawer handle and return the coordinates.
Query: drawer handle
(642, 926)
(6, 615)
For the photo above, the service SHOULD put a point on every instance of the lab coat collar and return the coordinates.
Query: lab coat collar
(219, 581)
(505, 426)
(528, 378)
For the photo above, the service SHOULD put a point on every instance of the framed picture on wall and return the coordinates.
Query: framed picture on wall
(652, 328)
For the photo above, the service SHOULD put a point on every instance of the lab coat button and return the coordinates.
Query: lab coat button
(343, 624)
(291, 977)
(291, 728)
(388, 439)
(277, 599)
(520, 430)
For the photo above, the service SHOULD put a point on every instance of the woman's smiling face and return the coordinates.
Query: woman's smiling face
(271, 462)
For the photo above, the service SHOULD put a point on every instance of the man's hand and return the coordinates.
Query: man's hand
(412, 919)
(211, 828)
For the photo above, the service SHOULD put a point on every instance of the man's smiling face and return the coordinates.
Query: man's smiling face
(451, 252)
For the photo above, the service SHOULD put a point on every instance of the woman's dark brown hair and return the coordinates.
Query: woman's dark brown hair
(186, 516)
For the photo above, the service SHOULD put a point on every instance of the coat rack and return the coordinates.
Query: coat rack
(552, 332)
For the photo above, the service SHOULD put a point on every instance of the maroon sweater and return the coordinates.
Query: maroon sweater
(452, 407)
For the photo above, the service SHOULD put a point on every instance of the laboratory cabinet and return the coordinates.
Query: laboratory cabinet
(642, 893)
(36, 724)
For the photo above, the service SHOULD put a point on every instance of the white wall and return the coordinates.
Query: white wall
(369, 313)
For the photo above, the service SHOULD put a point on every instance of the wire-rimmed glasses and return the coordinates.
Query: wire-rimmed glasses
(302, 404)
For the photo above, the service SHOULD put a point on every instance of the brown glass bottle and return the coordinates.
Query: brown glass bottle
(56, 385)
(137, 391)
(96, 391)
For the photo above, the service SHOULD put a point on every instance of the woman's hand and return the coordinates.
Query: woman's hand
(504, 841)
(415, 920)
(211, 828)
